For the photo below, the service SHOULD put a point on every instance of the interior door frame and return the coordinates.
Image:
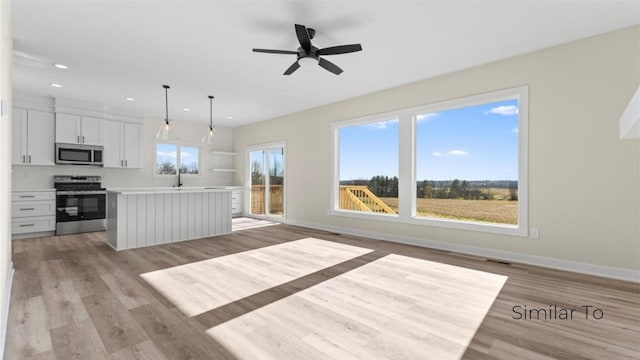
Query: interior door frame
(247, 166)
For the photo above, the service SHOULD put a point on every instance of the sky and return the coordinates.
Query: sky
(472, 143)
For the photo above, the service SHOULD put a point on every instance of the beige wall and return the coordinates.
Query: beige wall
(188, 133)
(584, 182)
(6, 51)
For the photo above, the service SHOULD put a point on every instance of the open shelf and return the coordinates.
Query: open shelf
(214, 152)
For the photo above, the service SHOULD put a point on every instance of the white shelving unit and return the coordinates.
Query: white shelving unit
(222, 153)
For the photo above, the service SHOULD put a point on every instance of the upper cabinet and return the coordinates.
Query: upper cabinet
(33, 137)
(122, 145)
(76, 129)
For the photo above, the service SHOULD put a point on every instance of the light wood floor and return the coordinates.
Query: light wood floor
(75, 298)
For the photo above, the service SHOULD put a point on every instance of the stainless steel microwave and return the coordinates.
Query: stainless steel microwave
(79, 154)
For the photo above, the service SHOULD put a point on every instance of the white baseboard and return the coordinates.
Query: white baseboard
(5, 311)
(573, 266)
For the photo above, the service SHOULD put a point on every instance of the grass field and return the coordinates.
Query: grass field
(493, 211)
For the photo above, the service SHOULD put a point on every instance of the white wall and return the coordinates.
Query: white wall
(584, 182)
(188, 133)
(6, 51)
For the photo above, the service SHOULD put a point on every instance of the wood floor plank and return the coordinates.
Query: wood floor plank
(144, 351)
(78, 341)
(64, 305)
(26, 284)
(127, 290)
(28, 329)
(115, 326)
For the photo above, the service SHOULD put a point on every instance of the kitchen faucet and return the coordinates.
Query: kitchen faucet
(179, 183)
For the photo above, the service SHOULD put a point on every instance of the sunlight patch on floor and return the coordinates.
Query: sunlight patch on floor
(205, 285)
(244, 223)
(394, 307)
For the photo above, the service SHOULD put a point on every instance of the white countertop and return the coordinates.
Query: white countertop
(172, 190)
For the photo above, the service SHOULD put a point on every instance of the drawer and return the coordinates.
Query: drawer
(236, 196)
(33, 224)
(21, 209)
(33, 195)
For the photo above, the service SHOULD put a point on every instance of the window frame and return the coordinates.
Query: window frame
(407, 176)
(178, 145)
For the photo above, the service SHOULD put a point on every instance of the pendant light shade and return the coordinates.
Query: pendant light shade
(208, 137)
(164, 133)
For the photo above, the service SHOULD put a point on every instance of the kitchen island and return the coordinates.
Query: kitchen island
(154, 216)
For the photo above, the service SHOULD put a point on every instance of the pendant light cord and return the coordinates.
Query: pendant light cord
(166, 102)
(211, 112)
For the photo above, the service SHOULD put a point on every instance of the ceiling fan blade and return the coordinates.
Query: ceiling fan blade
(269, 51)
(342, 49)
(292, 68)
(328, 65)
(303, 37)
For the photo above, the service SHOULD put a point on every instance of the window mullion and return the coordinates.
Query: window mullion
(406, 190)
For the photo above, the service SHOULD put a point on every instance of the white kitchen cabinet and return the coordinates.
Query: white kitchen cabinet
(236, 202)
(33, 137)
(33, 213)
(122, 145)
(76, 129)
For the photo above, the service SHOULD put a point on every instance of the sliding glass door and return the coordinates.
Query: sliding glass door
(267, 169)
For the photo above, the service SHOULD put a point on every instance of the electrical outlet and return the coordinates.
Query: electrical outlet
(534, 233)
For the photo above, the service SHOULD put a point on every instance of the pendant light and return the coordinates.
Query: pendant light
(208, 138)
(163, 132)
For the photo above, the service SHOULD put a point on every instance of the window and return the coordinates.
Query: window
(368, 170)
(460, 164)
(170, 157)
(467, 163)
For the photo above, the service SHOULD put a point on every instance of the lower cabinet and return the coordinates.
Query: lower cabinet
(236, 203)
(33, 213)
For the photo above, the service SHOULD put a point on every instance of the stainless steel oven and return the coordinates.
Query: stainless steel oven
(80, 204)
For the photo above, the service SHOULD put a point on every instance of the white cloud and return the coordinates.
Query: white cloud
(458, 153)
(435, 153)
(507, 110)
(514, 130)
(382, 124)
(184, 154)
(169, 154)
(425, 117)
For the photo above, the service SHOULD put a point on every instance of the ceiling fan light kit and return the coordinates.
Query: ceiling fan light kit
(307, 52)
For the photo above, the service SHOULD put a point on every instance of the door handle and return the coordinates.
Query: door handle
(78, 138)
(29, 159)
(24, 159)
(83, 139)
(126, 163)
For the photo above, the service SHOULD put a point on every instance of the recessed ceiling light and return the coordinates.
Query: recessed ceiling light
(60, 66)
(56, 85)
(229, 117)
(186, 109)
(130, 99)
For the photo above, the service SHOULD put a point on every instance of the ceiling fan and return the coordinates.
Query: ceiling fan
(307, 51)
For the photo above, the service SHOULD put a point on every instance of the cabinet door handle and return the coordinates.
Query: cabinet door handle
(24, 159)
(25, 225)
(78, 138)
(83, 139)
(29, 159)
(27, 196)
(126, 163)
(25, 209)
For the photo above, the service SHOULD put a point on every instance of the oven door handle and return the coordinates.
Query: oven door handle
(88, 192)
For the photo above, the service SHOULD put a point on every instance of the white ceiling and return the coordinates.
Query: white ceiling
(118, 49)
